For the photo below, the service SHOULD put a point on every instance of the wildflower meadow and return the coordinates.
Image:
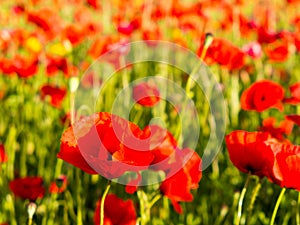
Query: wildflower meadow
(179, 112)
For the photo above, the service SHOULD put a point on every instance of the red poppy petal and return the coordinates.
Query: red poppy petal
(249, 152)
(294, 118)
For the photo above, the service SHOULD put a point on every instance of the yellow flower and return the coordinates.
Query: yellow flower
(60, 48)
(33, 44)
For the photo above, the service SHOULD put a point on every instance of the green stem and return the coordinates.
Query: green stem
(190, 79)
(252, 200)
(277, 206)
(102, 202)
(144, 207)
(234, 103)
(78, 195)
(207, 42)
(154, 200)
(241, 199)
(72, 107)
(106, 16)
(298, 210)
(125, 79)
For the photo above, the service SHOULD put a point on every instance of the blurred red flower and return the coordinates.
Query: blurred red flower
(295, 94)
(56, 94)
(224, 53)
(75, 34)
(12, 38)
(3, 155)
(94, 3)
(59, 185)
(177, 187)
(7, 66)
(146, 94)
(294, 118)
(297, 39)
(151, 33)
(253, 49)
(277, 51)
(293, 1)
(55, 64)
(18, 9)
(84, 19)
(102, 45)
(45, 19)
(266, 36)
(125, 28)
(285, 128)
(249, 152)
(116, 211)
(286, 170)
(28, 187)
(25, 68)
(262, 95)
(106, 144)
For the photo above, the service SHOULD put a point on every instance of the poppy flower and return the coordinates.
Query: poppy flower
(294, 118)
(105, 144)
(74, 34)
(70, 152)
(103, 45)
(7, 66)
(146, 94)
(25, 68)
(247, 26)
(162, 143)
(94, 3)
(5, 39)
(231, 16)
(45, 18)
(262, 95)
(28, 187)
(191, 22)
(277, 51)
(59, 185)
(295, 94)
(249, 152)
(293, 1)
(253, 49)
(297, 39)
(177, 187)
(56, 94)
(132, 185)
(151, 33)
(125, 28)
(18, 9)
(285, 128)
(224, 53)
(286, 169)
(114, 46)
(84, 19)
(3, 156)
(116, 211)
(266, 36)
(55, 64)
(12, 38)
